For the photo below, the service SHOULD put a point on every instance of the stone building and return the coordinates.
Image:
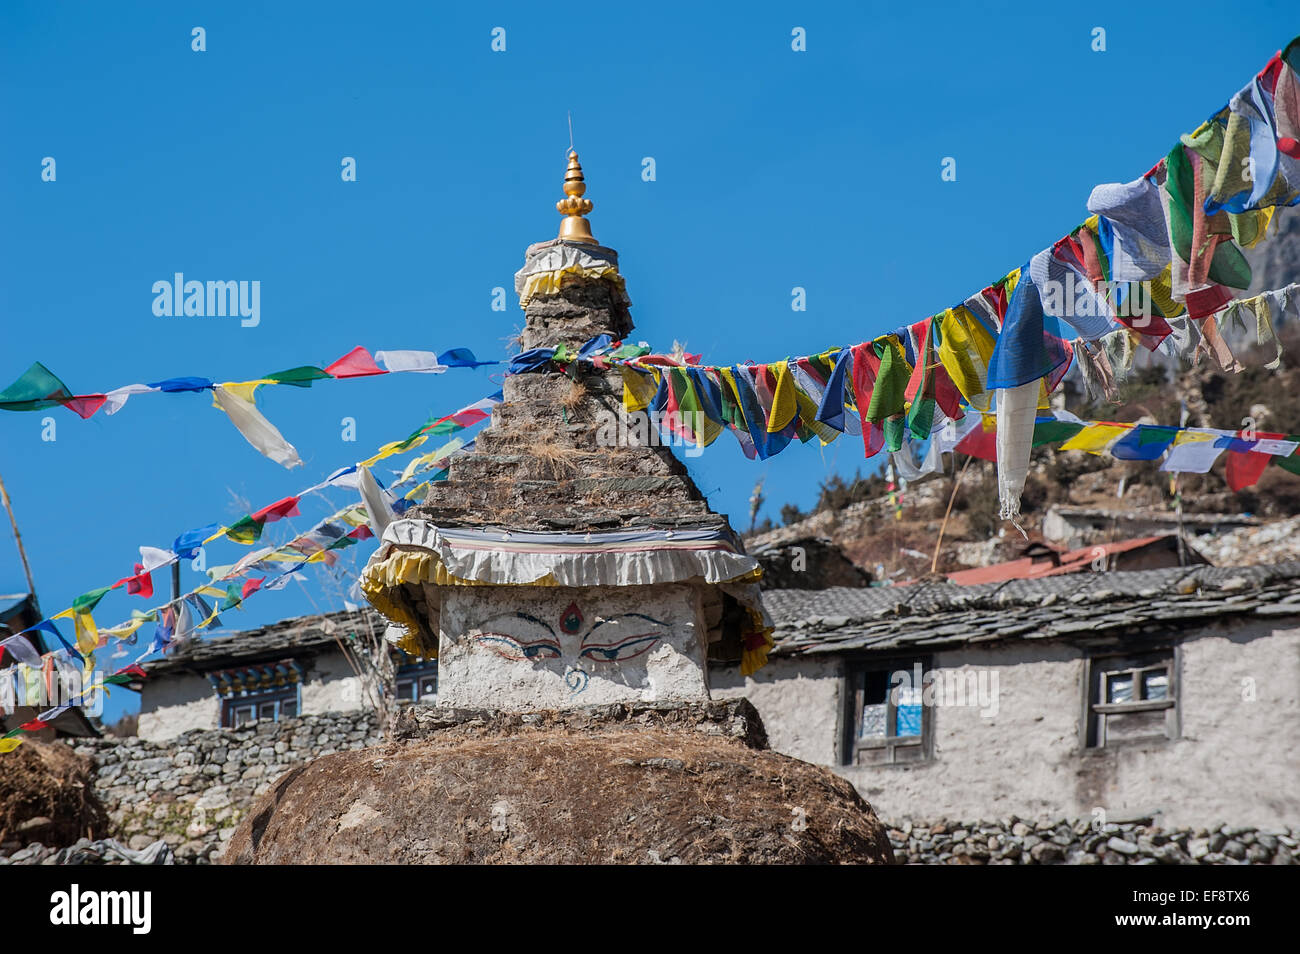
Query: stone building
(1171, 694)
(289, 669)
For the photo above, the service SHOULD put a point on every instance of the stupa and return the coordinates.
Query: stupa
(574, 589)
(555, 567)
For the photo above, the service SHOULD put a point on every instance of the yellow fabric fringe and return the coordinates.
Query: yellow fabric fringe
(548, 283)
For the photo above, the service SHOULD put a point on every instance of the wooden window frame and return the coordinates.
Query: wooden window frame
(1100, 668)
(855, 670)
(416, 672)
(230, 705)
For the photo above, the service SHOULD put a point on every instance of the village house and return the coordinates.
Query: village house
(1170, 693)
(305, 666)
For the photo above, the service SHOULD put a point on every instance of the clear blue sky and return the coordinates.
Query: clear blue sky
(775, 169)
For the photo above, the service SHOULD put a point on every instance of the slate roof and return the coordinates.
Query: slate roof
(942, 614)
(288, 637)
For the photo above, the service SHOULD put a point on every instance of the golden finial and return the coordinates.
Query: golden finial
(573, 227)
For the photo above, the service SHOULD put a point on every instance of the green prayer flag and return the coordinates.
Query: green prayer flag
(86, 602)
(1288, 463)
(233, 598)
(1154, 434)
(894, 430)
(1049, 432)
(38, 388)
(300, 377)
(889, 392)
(245, 530)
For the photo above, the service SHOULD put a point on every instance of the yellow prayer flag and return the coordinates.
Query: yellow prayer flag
(87, 633)
(1095, 438)
(123, 630)
(9, 744)
(639, 388)
(244, 390)
(426, 461)
(784, 406)
(394, 447)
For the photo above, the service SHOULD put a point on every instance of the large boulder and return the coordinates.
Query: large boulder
(612, 784)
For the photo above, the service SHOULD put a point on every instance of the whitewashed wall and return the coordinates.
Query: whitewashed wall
(176, 702)
(479, 623)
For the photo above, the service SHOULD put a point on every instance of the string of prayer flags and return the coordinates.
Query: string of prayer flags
(178, 619)
(1157, 264)
(39, 388)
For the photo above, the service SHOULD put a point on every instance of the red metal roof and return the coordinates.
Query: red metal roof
(1069, 561)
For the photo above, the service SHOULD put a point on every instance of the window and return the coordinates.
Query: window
(886, 722)
(259, 706)
(1131, 698)
(262, 692)
(417, 680)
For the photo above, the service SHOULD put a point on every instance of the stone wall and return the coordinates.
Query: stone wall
(192, 790)
(1013, 841)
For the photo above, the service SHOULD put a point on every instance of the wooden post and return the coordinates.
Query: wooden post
(934, 564)
(18, 539)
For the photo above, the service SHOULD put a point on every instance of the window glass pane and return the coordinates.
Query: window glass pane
(243, 716)
(266, 711)
(429, 687)
(908, 718)
(1119, 687)
(873, 722)
(1155, 685)
(289, 708)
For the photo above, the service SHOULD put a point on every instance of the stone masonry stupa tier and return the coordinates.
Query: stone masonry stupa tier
(555, 567)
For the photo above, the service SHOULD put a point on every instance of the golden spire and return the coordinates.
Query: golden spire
(573, 227)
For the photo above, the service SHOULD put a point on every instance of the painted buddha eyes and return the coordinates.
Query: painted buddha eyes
(512, 647)
(609, 640)
(620, 638)
(542, 643)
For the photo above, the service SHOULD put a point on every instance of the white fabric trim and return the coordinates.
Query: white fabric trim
(595, 559)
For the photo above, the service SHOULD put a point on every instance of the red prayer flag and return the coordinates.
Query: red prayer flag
(141, 584)
(34, 726)
(1244, 468)
(979, 443)
(251, 586)
(362, 532)
(288, 507)
(357, 363)
(85, 405)
(865, 366)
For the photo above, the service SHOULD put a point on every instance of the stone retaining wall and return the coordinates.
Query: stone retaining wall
(1015, 841)
(192, 790)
